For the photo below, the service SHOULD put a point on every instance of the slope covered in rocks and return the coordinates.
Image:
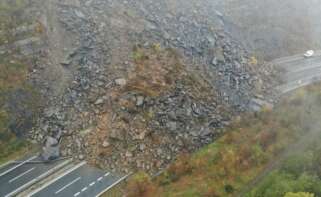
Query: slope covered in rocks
(131, 84)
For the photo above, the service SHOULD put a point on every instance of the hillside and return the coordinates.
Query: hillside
(19, 101)
(284, 140)
(176, 92)
(131, 85)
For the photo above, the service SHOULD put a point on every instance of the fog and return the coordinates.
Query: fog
(274, 28)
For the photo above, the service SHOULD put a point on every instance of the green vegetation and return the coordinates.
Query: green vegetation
(301, 172)
(19, 102)
(227, 167)
(300, 194)
(11, 16)
(18, 109)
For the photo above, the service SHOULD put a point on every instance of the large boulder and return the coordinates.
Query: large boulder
(50, 150)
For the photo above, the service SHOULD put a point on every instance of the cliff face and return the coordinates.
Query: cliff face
(132, 84)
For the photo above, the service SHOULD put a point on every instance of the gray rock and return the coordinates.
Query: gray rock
(159, 151)
(121, 82)
(171, 125)
(214, 61)
(194, 133)
(66, 62)
(139, 101)
(128, 154)
(81, 157)
(257, 104)
(142, 147)
(69, 152)
(50, 150)
(106, 144)
(219, 55)
(79, 14)
(99, 101)
(116, 134)
(205, 131)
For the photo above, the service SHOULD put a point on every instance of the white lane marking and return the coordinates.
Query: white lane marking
(83, 189)
(22, 174)
(100, 178)
(112, 185)
(17, 166)
(33, 181)
(91, 184)
(5, 164)
(54, 180)
(64, 187)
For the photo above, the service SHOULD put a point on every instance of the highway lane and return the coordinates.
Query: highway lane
(298, 65)
(81, 181)
(15, 176)
(299, 75)
(290, 86)
(299, 71)
(294, 58)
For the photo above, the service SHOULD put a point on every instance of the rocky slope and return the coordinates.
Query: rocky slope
(131, 84)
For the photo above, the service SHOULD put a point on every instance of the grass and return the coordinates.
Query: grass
(12, 81)
(299, 172)
(15, 149)
(116, 191)
(225, 167)
(17, 97)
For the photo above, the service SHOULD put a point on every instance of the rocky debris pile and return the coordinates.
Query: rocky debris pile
(159, 111)
(123, 113)
(191, 28)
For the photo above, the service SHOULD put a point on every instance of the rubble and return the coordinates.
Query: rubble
(132, 123)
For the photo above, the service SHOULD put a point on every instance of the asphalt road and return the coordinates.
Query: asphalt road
(81, 181)
(15, 176)
(299, 71)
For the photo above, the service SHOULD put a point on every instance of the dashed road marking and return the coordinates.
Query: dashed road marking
(112, 185)
(100, 178)
(91, 184)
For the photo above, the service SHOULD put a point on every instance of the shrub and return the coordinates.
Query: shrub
(294, 165)
(229, 189)
(180, 168)
(140, 185)
(267, 138)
